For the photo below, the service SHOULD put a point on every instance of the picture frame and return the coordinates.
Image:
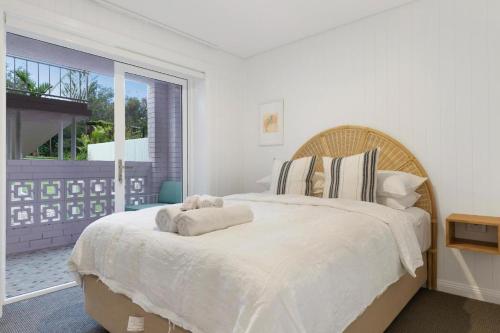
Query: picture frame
(271, 123)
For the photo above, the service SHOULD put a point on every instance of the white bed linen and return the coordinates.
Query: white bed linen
(305, 264)
(421, 222)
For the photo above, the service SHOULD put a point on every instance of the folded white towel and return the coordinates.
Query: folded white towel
(200, 221)
(190, 202)
(165, 218)
(206, 201)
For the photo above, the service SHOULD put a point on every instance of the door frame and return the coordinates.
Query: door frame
(120, 71)
(3, 160)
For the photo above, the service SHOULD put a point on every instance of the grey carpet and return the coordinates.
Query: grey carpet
(58, 312)
(27, 272)
(432, 311)
(427, 312)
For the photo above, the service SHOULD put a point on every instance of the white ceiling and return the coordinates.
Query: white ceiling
(246, 28)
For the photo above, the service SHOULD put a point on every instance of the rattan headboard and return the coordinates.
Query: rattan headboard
(350, 140)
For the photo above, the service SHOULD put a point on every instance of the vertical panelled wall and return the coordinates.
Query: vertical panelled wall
(165, 132)
(428, 74)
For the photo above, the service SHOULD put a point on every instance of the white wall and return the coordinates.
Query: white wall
(214, 119)
(136, 150)
(427, 73)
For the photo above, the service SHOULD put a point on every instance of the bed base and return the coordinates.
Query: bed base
(385, 308)
(112, 310)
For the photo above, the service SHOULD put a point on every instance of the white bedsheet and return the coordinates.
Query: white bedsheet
(304, 265)
(421, 222)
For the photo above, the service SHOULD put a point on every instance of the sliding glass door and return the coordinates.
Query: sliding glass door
(151, 138)
(60, 106)
(85, 136)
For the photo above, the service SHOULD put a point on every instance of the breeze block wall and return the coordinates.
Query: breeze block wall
(49, 203)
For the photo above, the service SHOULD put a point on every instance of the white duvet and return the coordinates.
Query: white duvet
(304, 264)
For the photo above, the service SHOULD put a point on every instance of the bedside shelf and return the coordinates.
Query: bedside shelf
(471, 244)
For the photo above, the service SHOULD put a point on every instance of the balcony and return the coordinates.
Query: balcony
(49, 203)
(42, 100)
(34, 78)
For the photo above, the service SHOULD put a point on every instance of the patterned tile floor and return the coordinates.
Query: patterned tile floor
(27, 272)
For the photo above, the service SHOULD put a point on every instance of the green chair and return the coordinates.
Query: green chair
(170, 193)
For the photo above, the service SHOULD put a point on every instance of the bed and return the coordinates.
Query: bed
(305, 264)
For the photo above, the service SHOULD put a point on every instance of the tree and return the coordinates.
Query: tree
(98, 129)
(100, 102)
(136, 118)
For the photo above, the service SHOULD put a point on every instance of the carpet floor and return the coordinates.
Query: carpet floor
(58, 312)
(433, 311)
(427, 312)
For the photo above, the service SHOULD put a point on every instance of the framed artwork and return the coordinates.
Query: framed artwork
(271, 123)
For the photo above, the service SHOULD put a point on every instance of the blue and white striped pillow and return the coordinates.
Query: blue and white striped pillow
(352, 177)
(293, 177)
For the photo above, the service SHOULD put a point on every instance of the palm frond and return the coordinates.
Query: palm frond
(30, 85)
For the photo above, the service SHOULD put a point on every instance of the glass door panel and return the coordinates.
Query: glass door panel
(85, 137)
(154, 156)
(60, 116)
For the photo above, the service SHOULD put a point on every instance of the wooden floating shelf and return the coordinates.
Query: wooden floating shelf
(471, 244)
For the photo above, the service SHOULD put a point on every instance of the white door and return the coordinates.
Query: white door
(150, 137)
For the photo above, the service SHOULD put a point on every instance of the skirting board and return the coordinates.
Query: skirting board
(465, 290)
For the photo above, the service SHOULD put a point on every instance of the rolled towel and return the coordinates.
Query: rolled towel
(200, 221)
(190, 202)
(206, 201)
(165, 218)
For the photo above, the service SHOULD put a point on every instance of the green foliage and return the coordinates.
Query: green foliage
(136, 118)
(100, 131)
(100, 102)
(99, 128)
(27, 84)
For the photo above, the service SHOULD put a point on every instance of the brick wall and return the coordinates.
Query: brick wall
(165, 132)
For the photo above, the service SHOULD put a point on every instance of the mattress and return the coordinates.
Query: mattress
(284, 272)
(421, 222)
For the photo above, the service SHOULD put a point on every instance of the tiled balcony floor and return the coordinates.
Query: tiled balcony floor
(28, 272)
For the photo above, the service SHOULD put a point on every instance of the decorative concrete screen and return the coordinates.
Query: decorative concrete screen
(49, 203)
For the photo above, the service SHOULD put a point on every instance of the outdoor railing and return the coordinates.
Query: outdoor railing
(49, 203)
(37, 78)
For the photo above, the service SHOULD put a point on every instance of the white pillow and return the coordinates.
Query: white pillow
(397, 183)
(352, 177)
(399, 202)
(293, 177)
(318, 182)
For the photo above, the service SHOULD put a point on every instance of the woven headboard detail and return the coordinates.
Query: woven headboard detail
(350, 140)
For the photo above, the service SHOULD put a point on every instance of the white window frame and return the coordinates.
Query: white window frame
(3, 160)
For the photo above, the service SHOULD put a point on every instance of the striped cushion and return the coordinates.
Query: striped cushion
(352, 177)
(293, 177)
